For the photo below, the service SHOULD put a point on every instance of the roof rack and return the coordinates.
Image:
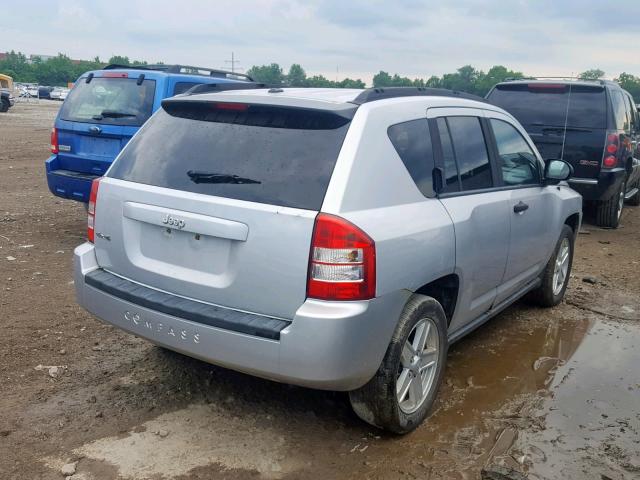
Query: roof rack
(576, 79)
(185, 70)
(373, 94)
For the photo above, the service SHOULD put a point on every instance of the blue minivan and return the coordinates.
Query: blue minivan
(106, 108)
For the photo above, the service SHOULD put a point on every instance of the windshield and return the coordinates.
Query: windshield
(535, 104)
(273, 155)
(113, 101)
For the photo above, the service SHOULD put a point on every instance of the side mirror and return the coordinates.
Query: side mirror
(556, 171)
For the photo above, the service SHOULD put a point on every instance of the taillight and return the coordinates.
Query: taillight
(610, 157)
(54, 140)
(342, 265)
(91, 210)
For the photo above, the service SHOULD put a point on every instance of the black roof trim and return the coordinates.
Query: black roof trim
(183, 69)
(564, 80)
(373, 94)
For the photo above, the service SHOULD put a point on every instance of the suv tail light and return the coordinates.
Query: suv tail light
(54, 140)
(91, 210)
(610, 156)
(342, 264)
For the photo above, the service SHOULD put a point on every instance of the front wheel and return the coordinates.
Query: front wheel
(403, 390)
(635, 199)
(555, 277)
(4, 105)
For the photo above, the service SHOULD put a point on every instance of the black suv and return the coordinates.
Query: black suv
(593, 125)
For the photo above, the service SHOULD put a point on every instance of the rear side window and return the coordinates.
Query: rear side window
(112, 101)
(451, 174)
(471, 154)
(619, 110)
(181, 87)
(538, 104)
(518, 163)
(412, 141)
(278, 156)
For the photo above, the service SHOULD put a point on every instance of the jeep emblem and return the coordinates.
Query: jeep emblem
(174, 222)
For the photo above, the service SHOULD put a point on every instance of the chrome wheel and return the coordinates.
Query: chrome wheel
(418, 364)
(561, 268)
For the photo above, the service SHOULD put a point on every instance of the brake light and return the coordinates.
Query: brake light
(91, 210)
(236, 107)
(115, 75)
(610, 157)
(54, 140)
(342, 264)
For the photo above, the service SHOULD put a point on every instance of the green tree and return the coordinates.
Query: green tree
(269, 74)
(593, 74)
(631, 84)
(296, 77)
(119, 60)
(382, 79)
(496, 74)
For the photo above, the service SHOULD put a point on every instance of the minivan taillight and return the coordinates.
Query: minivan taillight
(610, 156)
(91, 210)
(342, 264)
(54, 140)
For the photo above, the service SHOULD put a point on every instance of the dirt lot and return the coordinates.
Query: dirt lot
(551, 393)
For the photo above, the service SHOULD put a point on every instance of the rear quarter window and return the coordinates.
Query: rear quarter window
(255, 153)
(412, 141)
(110, 100)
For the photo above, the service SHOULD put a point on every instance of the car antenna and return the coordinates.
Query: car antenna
(566, 120)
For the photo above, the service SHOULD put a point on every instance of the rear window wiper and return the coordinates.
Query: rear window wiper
(113, 114)
(208, 177)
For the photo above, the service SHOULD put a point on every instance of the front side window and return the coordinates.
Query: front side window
(470, 151)
(518, 163)
(412, 141)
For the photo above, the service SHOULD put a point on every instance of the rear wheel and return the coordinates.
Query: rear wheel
(608, 212)
(4, 105)
(555, 277)
(402, 392)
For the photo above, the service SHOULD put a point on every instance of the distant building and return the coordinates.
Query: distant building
(3, 56)
(43, 58)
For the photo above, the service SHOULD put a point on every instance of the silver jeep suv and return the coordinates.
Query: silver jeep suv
(330, 238)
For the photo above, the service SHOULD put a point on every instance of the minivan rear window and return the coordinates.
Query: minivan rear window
(546, 104)
(110, 100)
(273, 155)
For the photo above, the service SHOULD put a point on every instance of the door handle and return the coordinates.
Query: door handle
(520, 207)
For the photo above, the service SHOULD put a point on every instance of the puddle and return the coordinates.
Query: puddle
(551, 393)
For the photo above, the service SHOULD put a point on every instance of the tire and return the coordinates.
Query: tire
(635, 200)
(4, 105)
(608, 212)
(377, 402)
(548, 294)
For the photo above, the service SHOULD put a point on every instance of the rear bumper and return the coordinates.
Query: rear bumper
(602, 188)
(67, 183)
(327, 345)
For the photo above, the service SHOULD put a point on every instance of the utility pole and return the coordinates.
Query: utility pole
(233, 62)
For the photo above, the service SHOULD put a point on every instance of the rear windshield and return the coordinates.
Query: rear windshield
(112, 101)
(279, 156)
(533, 104)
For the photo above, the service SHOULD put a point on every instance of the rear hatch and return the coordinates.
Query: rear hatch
(216, 202)
(543, 109)
(99, 117)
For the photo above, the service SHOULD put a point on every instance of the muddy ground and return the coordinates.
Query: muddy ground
(554, 394)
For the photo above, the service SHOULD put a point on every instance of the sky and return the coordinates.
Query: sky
(337, 38)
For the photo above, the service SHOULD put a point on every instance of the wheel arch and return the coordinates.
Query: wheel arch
(573, 221)
(445, 290)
